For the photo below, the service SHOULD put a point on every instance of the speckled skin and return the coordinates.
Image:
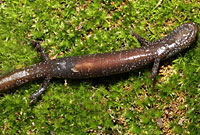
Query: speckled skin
(19, 77)
(97, 65)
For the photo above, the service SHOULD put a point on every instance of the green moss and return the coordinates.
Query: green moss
(121, 104)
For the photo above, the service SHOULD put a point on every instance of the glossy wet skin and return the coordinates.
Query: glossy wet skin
(96, 65)
(25, 75)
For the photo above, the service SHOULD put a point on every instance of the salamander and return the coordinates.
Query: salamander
(97, 65)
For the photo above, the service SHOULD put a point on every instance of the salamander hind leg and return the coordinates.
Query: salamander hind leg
(34, 96)
(39, 48)
(38, 93)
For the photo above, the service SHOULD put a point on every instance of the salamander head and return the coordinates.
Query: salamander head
(185, 34)
(180, 38)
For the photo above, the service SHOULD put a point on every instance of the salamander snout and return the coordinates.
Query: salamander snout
(194, 29)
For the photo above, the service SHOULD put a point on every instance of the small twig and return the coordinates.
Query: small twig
(158, 4)
(20, 3)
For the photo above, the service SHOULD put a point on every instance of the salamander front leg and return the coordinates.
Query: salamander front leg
(34, 96)
(39, 48)
(155, 68)
(142, 41)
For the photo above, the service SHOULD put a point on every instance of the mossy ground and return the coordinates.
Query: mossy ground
(120, 104)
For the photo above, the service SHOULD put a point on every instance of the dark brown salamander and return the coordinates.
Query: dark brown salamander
(96, 65)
